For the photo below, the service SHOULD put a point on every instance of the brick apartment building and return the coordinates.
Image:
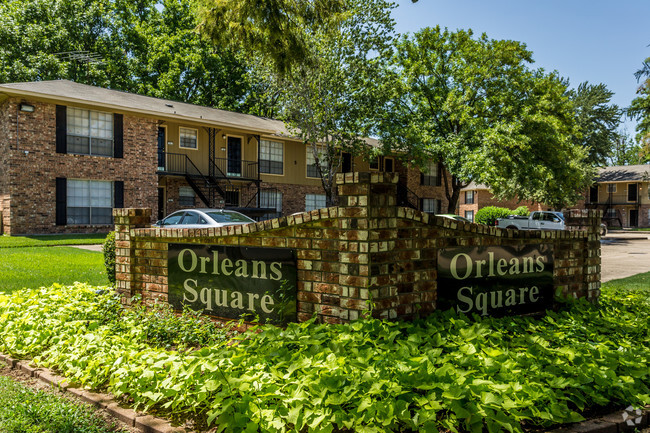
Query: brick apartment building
(477, 196)
(623, 194)
(69, 153)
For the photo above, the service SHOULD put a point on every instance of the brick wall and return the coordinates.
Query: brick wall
(32, 169)
(484, 198)
(365, 255)
(7, 135)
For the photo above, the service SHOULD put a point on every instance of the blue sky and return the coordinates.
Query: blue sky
(584, 40)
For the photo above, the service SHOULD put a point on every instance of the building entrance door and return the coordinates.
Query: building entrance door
(634, 218)
(161, 148)
(234, 156)
(161, 203)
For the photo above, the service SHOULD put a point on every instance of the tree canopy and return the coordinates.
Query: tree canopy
(330, 99)
(597, 121)
(474, 104)
(148, 47)
(278, 30)
(640, 107)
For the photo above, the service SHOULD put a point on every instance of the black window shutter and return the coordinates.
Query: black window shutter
(61, 201)
(439, 179)
(118, 135)
(61, 129)
(119, 193)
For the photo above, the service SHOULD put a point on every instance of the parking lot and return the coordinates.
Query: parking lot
(624, 254)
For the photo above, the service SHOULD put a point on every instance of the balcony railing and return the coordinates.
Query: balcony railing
(181, 164)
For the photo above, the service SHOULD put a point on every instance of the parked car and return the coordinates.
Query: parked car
(454, 217)
(203, 218)
(538, 220)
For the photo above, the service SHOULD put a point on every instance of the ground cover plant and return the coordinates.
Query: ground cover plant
(23, 410)
(445, 372)
(33, 267)
(50, 240)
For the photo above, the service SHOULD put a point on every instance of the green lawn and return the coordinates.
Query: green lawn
(50, 240)
(42, 266)
(24, 410)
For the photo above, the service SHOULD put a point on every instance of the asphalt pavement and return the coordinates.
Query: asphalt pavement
(624, 254)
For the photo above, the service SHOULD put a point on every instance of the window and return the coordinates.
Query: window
(272, 200)
(469, 214)
(188, 138)
(611, 213)
(431, 205)
(315, 201)
(374, 163)
(312, 169)
(89, 132)
(431, 174)
(469, 197)
(185, 196)
(611, 187)
(89, 202)
(271, 157)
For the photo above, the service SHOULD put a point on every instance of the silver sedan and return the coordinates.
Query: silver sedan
(203, 218)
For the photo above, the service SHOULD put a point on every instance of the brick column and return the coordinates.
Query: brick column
(367, 224)
(588, 220)
(126, 220)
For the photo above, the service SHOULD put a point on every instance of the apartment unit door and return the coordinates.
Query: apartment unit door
(634, 218)
(161, 203)
(161, 147)
(234, 156)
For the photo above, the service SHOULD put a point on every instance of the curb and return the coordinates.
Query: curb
(143, 422)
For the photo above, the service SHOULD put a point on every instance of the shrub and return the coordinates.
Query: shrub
(109, 257)
(521, 211)
(488, 215)
(446, 372)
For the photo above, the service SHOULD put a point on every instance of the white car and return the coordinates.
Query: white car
(203, 218)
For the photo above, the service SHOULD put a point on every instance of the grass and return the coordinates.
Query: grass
(42, 266)
(23, 410)
(51, 240)
(639, 282)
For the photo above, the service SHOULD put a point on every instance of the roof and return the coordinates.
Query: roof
(475, 186)
(624, 173)
(72, 92)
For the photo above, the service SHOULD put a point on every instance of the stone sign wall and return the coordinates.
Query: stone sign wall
(367, 256)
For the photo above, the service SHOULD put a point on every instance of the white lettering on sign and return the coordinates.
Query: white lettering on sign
(462, 266)
(213, 297)
(485, 301)
(189, 262)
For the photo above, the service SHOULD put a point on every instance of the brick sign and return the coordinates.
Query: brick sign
(496, 281)
(231, 282)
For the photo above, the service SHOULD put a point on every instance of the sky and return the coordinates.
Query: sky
(599, 41)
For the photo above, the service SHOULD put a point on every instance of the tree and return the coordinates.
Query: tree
(626, 151)
(640, 107)
(597, 119)
(279, 30)
(148, 47)
(475, 105)
(329, 100)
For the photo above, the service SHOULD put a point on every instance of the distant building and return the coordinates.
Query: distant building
(622, 192)
(477, 196)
